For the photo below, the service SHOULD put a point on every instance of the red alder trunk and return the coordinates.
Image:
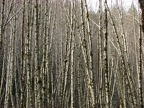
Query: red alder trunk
(141, 2)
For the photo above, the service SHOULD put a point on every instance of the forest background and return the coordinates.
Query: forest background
(63, 54)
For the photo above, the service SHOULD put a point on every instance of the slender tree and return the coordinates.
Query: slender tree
(141, 2)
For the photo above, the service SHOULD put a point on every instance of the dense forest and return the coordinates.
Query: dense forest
(62, 54)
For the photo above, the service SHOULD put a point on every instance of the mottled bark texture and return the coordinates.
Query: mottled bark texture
(141, 2)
